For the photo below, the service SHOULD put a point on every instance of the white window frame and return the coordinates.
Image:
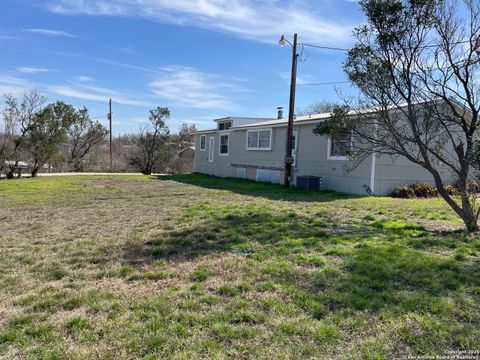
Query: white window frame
(223, 133)
(329, 149)
(200, 144)
(211, 149)
(258, 140)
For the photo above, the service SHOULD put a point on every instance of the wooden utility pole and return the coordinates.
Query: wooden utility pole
(110, 121)
(291, 114)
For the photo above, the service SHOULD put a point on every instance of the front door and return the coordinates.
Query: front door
(211, 149)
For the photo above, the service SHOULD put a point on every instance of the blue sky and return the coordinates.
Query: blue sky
(203, 59)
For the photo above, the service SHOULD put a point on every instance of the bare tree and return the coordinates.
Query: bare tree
(416, 65)
(152, 141)
(318, 108)
(185, 136)
(6, 140)
(20, 117)
(84, 135)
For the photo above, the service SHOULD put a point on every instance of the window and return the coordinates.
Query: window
(224, 125)
(259, 139)
(203, 142)
(224, 144)
(339, 145)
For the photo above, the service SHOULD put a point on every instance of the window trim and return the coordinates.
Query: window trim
(223, 133)
(211, 149)
(200, 143)
(258, 140)
(329, 149)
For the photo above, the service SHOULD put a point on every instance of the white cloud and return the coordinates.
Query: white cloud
(50, 32)
(76, 90)
(14, 85)
(83, 78)
(259, 20)
(6, 37)
(301, 79)
(32, 70)
(111, 62)
(189, 87)
(89, 92)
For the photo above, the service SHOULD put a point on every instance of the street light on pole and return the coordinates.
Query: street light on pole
(291, 108)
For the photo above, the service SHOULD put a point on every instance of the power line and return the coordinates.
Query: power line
(333, 48)
(326, 47)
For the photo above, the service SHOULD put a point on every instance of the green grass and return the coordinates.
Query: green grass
(192, 266)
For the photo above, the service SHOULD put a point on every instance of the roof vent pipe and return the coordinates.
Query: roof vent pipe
(280, 112)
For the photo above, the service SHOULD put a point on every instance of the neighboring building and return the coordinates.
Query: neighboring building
(254, 148)
(188, 154)
(183, 160)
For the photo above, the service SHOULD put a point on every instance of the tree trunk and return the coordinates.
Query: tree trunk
(466, 212)
(10, 174)
(469, 218)
(34, 172)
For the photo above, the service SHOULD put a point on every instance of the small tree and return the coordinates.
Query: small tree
(318, 108)
(185, 136)
(48, 132)
(20, 118)
(179, 142)
(84, 135)
(417, 67)
(152, 141)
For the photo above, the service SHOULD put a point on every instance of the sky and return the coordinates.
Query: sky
(203, 59)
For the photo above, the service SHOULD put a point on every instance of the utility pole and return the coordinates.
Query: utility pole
(110, 121)
(291, 114)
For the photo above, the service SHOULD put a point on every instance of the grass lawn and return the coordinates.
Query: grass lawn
(188, 267)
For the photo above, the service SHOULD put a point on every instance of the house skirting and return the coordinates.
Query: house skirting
(258, 173)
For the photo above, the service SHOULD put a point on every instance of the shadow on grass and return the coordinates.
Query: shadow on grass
(326, 268)
(254, 188)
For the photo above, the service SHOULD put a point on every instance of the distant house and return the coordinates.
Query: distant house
(254, 148)
(183, 160)
(188, 154)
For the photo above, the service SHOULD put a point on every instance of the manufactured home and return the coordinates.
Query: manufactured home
(254, 148)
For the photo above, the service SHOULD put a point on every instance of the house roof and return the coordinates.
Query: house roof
(304, 119)
(187, 148)
(241, 118)
(298, 120)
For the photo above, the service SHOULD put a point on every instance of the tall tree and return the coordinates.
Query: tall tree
(47, 133)
(416, 64)
(152, 141)
(84, 135)
(20, 115)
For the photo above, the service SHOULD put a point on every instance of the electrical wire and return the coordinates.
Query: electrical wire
(347, 49)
